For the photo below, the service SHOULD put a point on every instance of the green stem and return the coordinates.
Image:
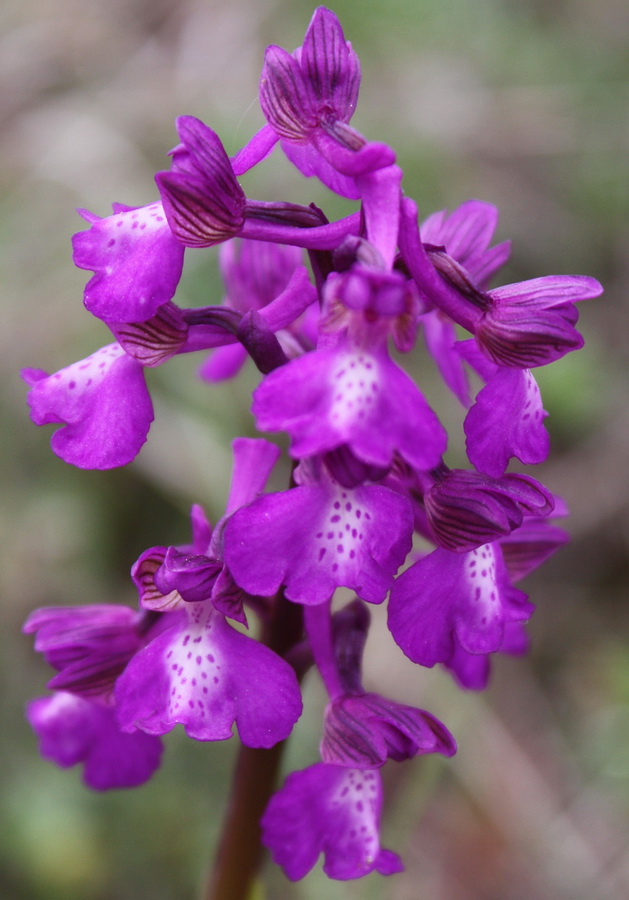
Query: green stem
(239, 851)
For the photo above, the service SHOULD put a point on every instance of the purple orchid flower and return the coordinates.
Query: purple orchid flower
(523, 551)
(464, 235)
(445, 595)
(136, 261)
(205, 205)
(73, 730)
(202, 200)
(521, 325)
(339, 395)
(206, 676)
(201, 673)
(308, 98)
(331, 810)
(319, 536)
(89, 646)
(362, 729)
(102, 404)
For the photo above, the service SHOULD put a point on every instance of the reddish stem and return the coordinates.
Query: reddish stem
(239, 851)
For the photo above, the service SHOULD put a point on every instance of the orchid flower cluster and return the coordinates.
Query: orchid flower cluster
(367, 451)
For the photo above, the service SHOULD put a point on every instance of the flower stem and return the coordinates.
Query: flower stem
(239, 851)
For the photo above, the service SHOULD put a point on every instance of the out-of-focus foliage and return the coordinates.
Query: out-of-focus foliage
(520, 104)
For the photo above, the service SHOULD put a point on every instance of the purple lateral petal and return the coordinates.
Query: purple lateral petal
(330, 810)
(363, 731)
(285, 96)
(256, 272)
(330, 65)
(316, 538)
(446, 594)
(65, 631)
(192, 576)
(531, 323)
(531, 545)
(202, 199)
(466, 233)
(136, 262)
(201, 529)
(507, 420)
(72, 730)
(338, 396)
(204, 675)
(440, 337)
(228, 598)
(102, 404)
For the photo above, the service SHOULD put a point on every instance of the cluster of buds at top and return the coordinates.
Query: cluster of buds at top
(367, 450)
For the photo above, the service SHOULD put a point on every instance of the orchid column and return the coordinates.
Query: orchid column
(227, 624)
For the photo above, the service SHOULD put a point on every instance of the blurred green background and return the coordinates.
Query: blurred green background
(523, 104)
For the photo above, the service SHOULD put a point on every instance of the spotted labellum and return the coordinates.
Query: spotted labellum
(228, 621)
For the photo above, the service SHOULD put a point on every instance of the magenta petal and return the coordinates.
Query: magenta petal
(136, 263)
(364, 730)
(507, 420)
(285, 96)
(72, 730)
(203, 202)
(466, 233)
(330, 810)
(88, 645)
(311, 164)
(254, 459)
(256, 272)
(368, 158)
(330, 65)
(472, 670)
(531, 323)
(328, 398)
(381, 196)
(223, 363)
(525, 549)
(446, 594)
(440, 337)
(103, 405)
(316, 538)
(206, 676)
